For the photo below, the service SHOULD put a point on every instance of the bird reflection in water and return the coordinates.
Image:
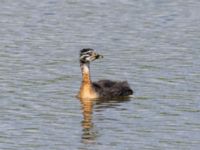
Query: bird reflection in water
(90, 133)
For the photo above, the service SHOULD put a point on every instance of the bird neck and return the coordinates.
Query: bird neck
(85, 69)
(86, 89)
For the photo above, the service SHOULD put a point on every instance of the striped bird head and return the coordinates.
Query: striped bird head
(87, 55)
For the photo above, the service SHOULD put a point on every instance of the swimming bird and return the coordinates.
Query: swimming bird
(101, 88)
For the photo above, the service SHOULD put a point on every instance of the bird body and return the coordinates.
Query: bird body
(102, 88)
(108, 88)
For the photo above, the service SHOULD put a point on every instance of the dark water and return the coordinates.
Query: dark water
(155, 45)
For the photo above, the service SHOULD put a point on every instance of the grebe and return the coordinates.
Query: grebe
(102, 88)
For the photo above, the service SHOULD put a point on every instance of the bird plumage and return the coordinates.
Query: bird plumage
(108, 88)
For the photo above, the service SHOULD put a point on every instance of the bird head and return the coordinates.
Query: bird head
(87, 55)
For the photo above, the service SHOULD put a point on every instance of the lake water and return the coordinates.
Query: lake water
(154, 45)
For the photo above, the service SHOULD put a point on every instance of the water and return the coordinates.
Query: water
(152, 44)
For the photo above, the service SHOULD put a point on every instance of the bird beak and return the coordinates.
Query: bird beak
(98, 56)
